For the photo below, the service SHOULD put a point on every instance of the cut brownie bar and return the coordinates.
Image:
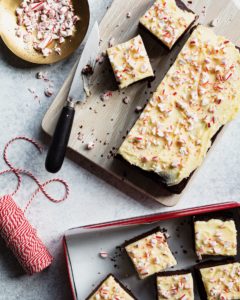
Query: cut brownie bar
(199, 94)
(215, 236)
(168, 20)
(112, 289)
(219, 281)
(176, 285)
(150, 253)
(130, 62)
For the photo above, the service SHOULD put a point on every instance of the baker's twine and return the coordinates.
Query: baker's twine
(15, 229)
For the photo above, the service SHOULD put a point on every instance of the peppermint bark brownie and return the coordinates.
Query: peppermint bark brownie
(168, 20)
(112, 289)
(175, 285)
(219, 281)
(150, 253)
(199, 94)
(215, 236)
(130, 62)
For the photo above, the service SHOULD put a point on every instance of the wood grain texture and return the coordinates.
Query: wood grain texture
(106, 123)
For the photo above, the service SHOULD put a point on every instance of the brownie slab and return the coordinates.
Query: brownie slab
(168, 20)
(112, 289)
(175, 285)
(219, 281)
(215, 236)
(130, 62)
(199, 95)
(150, 253)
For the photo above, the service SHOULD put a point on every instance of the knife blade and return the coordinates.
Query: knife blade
(58, 146)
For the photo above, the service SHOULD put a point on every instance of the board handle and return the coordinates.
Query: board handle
(58, 146)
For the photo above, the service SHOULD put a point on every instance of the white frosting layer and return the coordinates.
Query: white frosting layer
(175, 287)
(222, 282)
(110, 290)
(199, 94)
(151, 255)
(167, 21)
(215, 237)
(130, 62)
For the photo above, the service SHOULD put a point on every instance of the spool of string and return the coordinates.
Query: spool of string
(15, 229)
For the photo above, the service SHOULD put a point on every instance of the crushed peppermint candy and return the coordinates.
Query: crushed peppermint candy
(111, 42)
(106, 95)
(126, 100)
(103, 254)
(87, 70)
(90, 145)
(138, 109)
(48, 92)
(40, 75)
(214, 23)
(47, 24)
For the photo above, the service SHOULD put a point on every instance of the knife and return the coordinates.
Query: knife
(58, 146)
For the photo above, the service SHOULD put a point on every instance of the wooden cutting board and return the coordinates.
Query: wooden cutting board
(106, 122)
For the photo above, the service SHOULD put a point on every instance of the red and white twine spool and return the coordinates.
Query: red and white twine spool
(15, 229)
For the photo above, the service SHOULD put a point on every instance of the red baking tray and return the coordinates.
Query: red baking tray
(83, 244)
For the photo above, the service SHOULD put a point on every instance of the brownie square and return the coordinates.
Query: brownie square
(219, 280)
(130, 62)
(150, 253)
(112, 289)
(215, 235)
(175, 285)
(168, 20)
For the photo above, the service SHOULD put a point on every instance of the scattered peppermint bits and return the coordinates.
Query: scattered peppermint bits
(100, 58)
(90, 145)
(126, 100)
(48, 92)
(111, 42)
(106, 96)
(46, 24)
(103, 254)
(35, 95)
(214, 23)
(128, 15)
(87, 70)
(138, 109)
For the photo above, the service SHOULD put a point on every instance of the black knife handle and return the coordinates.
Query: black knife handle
(58, 146)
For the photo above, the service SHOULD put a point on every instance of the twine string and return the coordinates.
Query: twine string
(18, 172)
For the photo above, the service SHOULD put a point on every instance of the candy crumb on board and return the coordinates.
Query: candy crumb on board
(90, 145)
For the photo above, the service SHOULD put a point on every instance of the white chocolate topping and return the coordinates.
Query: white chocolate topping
(167, 21)
(222, 282)
(215, 237)
(130, 62)
(199, 94)
(175, 287)
(151, 255)
(110, 290)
